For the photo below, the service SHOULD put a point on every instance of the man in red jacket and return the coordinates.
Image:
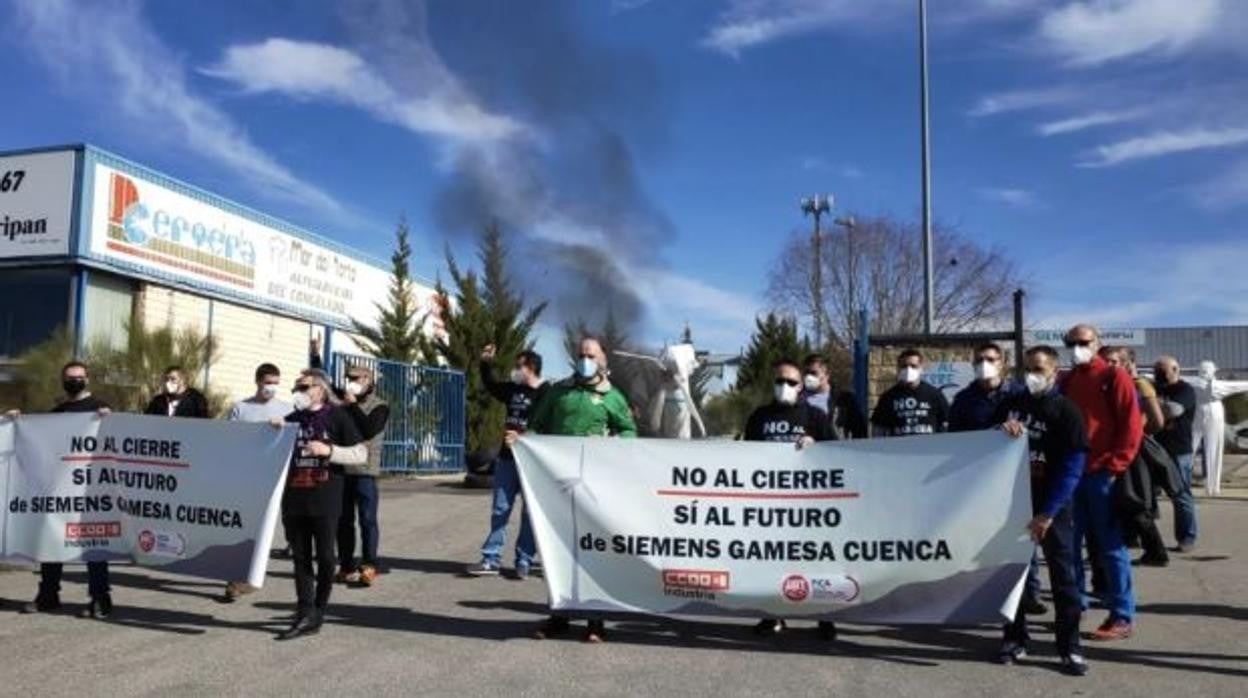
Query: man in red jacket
(1106, 396)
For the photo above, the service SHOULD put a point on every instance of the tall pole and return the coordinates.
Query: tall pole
(816, 206)
(817, 283)
(927, 173)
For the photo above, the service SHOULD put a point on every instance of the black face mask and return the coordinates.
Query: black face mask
(73, 386)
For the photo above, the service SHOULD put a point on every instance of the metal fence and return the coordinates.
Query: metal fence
(427, 428)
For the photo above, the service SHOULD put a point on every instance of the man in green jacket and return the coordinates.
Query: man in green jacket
(587, 405)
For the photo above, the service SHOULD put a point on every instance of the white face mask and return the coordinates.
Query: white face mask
(1082, 355)
(586, 368)
(355, 388)
(517, 376)
(173, 387)
(301, 400)
(986, 370)
(1038, 383)
(812, 383)
(785, 394)
(909, 374)
(268, 392)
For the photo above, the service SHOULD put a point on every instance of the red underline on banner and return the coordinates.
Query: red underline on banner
(711, 494)
(125, 461)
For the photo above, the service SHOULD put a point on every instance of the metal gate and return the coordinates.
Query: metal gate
(426, 432)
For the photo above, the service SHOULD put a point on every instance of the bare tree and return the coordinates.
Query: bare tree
(881, 259)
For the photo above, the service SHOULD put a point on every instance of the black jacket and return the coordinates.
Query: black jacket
(191, 403)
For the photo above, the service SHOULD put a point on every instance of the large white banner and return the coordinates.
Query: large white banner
(36, 202)
(197, 497)
(925, 529)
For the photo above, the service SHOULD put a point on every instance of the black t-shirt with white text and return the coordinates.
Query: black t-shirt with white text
(904, 410)
(1055, 430)
(780, 423)
(313, 484)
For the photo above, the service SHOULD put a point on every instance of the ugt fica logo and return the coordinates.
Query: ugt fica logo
(795, 588)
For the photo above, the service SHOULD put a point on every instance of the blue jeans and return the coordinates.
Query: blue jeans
(1185, 504)
(506, 487)
(50, 578)
(1094, 513)
(359, 500)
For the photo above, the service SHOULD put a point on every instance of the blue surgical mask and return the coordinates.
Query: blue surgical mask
(586, 368)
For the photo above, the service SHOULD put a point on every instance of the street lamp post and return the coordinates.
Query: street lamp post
(816, 206)
(927, 173)
(848, 223)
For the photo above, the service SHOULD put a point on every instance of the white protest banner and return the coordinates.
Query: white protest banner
(191, 496)
(925, 529)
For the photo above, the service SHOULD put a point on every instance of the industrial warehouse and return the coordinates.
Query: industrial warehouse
(92, 242)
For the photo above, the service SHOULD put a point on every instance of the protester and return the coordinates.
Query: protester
(911, 406)
(975, 408)
(177, 399)
(78, 398)
(360, 498)
(786, 419)
(263, 406)
(312, 502)
(1137, 498)
(1059, 448)
(841, 406)
(588, 405)
(1106, 397)
(519, 394)
(1179, 406)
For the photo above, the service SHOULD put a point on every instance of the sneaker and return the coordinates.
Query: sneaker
(43, 603)
(1011, 653)
(366, 575)
(769, 627)
(99, 608)
(521, 572)
(1074, 665)
(1033, 606)
(553, 627)
(827, 631)
(484, 569)
(596, 633)
(347, 576)
(1185, 547)
(1112, 629)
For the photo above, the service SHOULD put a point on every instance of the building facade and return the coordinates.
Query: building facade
(91, 242)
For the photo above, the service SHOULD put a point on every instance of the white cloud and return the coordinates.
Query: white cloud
(1164, 143)
(1022, 100)
(1018, 198)
(719, 318)
(1189, 282)
(306, 70)
(1086, 121)
(1095, 32)
(749, 23)
(88, 45)
(1225, 191)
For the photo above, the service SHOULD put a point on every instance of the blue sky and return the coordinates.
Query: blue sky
(665, 143)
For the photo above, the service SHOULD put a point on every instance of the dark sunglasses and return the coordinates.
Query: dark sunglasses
(1072, 343)
(787, 381)
(301, 388)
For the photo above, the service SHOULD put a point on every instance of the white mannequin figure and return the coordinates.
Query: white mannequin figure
(670, 411)
(1209, 424)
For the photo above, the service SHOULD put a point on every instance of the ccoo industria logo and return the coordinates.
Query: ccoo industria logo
(175, 241)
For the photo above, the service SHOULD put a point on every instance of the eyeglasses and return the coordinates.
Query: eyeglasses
(788, 381)
(989, 359)
(355, 378)
(1072, 343)
(301, 388)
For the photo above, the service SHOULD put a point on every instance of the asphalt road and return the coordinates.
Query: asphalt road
(426, 630)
